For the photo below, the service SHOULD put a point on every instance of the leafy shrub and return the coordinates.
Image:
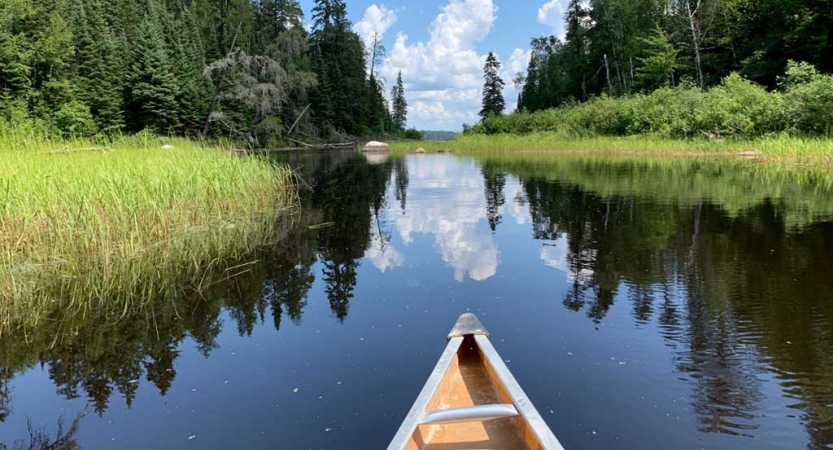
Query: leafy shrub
(413, 134)
(74, 119)
(809, 107)
(736, 108)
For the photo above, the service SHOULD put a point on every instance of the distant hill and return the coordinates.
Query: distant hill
(439, 135)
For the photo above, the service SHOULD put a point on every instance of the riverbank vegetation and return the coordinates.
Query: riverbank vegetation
(788, 125)
(690, 76)
(121, 340)
(83, 224)
(735, 109)
(239, 69)
(623, 47)
(788, 150)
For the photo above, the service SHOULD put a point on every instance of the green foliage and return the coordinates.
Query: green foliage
(620, 47)
(116, 226)
(75, 120)
(737, 108)
(152, 91)
(139, 64)
(493, 101)
(798, 73)
(346, 100)
(657, 66)
(400, 104)
(809, 106)
(544, 85)
(413, 134)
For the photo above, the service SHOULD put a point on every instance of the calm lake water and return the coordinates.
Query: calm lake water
(641, 304)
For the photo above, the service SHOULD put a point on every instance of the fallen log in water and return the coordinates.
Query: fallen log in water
(337, 146)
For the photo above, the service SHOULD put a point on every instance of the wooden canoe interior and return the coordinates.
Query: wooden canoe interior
(470, 381)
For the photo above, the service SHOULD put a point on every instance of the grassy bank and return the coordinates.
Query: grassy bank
(79, 228)
(793, 124)
(782, 149)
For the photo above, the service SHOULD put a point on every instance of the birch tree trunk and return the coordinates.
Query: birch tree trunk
(694, 24)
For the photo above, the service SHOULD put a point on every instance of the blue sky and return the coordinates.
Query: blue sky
(440, 47)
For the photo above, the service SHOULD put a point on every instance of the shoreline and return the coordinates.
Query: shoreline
(93, 228)
(782, 150)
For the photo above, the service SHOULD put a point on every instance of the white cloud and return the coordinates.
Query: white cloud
(448, 62)
(376, 19)
(518, 62)
(551, 14)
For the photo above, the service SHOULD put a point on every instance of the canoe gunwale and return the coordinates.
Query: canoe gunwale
(412, 421)
(469, 329)
(524, 406)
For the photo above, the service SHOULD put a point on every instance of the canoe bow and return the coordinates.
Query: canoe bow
(472, 401)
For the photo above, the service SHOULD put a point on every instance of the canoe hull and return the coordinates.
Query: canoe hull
(473, 395)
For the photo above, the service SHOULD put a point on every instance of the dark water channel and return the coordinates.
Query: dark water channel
(641, 304)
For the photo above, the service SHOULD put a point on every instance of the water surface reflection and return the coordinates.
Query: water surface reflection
(641, 303)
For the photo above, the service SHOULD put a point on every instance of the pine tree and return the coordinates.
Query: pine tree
(576, 49)
(13, 72)
(658, 64)
(342, 99)
(110, 103)
(400, 105)
(15, 61)
(54, 94)
(379, 116)
(493, 101)
(275, 17)
(152, 90)
(330, 13)
(97, 65)
(187, 64)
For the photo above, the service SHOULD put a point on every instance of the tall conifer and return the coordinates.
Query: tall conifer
(493, 102)
(400, 104)
(152, 88)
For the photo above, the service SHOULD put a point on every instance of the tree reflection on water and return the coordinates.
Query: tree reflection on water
(99, 352)
(739, 283)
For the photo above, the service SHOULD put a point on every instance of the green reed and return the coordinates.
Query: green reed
(778, 149)
(84, 225)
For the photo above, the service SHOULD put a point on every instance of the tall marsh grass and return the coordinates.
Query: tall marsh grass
(777, 149)
(84, 228)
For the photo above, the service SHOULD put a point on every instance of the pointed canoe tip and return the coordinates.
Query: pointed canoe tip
(468, 325)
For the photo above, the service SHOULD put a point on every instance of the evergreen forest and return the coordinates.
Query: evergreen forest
(243, 69)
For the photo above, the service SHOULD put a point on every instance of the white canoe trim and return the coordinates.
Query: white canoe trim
(468, 325)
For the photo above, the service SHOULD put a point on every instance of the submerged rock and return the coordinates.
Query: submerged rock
(375, 146)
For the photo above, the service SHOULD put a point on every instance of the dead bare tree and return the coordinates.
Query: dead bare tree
(256, 81)
(694, 27)
(697, 13)
(221, 84)
(262, 83)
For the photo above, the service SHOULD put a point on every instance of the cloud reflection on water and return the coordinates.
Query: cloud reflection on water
(447, 199)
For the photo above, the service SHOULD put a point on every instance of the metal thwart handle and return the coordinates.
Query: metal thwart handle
(470, 414)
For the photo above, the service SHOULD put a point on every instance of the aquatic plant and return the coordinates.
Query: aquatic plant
(83, 223)
(781, 149)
